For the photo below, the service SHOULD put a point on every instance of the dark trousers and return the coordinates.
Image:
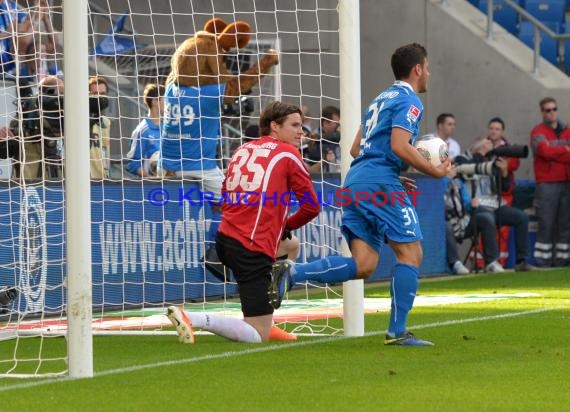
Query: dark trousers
(486, 221)
(552, 206)
(516, 218)
(486, 227)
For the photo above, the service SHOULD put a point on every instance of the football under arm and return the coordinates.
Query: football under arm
(400, 143)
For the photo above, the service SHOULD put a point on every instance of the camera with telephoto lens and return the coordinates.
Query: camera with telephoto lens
(515, 150)
(42, 117)
(476, 168)
(485, 165)
(241, 106)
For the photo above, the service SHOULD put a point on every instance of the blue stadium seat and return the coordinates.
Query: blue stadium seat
(548, 46)
(567, 49)
(547, 10)
(503, 15)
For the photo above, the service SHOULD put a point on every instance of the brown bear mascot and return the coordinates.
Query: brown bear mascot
(199, 60)
(196, 89)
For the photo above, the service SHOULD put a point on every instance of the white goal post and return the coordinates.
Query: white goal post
(77, 190)
(349, 58)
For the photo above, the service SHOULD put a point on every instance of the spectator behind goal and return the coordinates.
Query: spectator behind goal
(145, 139)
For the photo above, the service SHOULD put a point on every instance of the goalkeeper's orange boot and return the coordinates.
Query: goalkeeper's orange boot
(182, 324)
(279, 334)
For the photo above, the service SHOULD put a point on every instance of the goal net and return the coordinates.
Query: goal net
(150, 235)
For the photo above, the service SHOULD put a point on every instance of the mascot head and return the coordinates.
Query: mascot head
(199, 60)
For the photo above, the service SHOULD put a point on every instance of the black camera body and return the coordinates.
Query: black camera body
(96, 105)
(241, 106)
(42, 117)
(514, 150)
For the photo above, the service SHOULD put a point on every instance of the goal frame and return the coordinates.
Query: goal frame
(79, 292)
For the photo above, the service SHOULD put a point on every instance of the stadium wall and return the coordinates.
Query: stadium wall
(472, 77)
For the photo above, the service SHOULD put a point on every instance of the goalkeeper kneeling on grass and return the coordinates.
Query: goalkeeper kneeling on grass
(251, 230)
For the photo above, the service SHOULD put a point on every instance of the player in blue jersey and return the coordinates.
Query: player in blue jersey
(385, 138)
(145, 139)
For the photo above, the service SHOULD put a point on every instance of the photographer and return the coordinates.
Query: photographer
(100, 128)
(38, 131)
(460, 226)
(496, 133)
(486, 176)
(323, 153)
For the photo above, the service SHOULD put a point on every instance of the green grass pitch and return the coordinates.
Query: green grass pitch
(502, 355)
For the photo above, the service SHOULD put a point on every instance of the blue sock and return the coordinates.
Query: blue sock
(403, 292)
(214, 226)
(331, 269)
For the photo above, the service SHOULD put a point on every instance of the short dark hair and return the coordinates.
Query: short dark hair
(276, 112)
(546, 100)
(405, 58)
(442, 117)
(328, 112)
(496, 120)
(152, 91)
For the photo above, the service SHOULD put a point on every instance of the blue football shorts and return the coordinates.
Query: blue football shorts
(377, 212)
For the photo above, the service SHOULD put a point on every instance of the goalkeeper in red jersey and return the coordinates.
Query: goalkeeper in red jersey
(257, 192)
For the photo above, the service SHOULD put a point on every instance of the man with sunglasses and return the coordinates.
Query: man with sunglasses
(550, 143)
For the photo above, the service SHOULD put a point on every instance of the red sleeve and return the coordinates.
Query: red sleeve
(544, 149)
(300, 182)
(565, 157)
(513, 164)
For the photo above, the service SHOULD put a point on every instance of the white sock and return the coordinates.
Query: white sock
(229, 328)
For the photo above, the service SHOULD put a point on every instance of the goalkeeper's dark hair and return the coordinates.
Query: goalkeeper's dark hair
(276, 112)
(405, 59)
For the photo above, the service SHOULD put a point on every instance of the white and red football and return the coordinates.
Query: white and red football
(433, 149)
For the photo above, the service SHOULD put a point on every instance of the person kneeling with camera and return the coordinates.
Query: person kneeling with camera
(485, 174)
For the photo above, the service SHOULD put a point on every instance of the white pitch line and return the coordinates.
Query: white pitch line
(270, 348)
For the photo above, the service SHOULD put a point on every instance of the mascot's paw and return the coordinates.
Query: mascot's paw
(272, 58)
